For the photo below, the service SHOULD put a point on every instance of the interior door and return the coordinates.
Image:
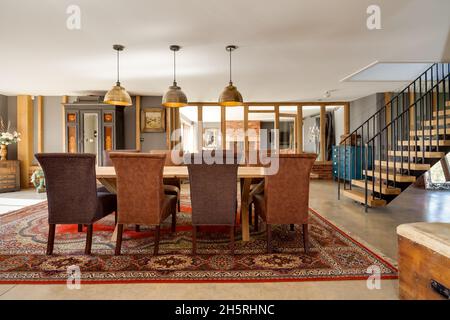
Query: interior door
(90, 133)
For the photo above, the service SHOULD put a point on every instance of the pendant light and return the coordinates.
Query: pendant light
(230, 96)
(118, 95)
(174, 97)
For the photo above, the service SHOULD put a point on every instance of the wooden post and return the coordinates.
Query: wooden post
(223, 127)
(246, 145)
(64, 99)
(138, 123)
(40, 124)
(346, 119)
(299, 129)
(200, 128)
(25, 124)
(323, 115)
(277, 127)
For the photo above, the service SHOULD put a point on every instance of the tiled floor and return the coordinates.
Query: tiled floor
(375, 228)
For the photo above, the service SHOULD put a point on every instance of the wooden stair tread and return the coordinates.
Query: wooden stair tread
(435, 122)
(398, 177)
(360, 197)
(412, 166)
(441, 113)
(412, 154)
(384, 188)
(442, 143)
(426, 132)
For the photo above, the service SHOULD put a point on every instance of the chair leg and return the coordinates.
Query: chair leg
(194, 240)
(157, 235)
(51, 238)
(269, 238)
(115, 218)
(179, 204)
(90, 231)
(232, 239)
(137, 228)
(306, 237)
(292, 227)
(174, 221)
(80, 227)
(119, 239)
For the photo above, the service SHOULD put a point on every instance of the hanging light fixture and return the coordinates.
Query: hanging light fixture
(118, 95)
(174, 97)
(230, 96)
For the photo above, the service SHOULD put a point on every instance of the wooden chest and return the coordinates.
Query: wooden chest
(424, 256)
(9, 175)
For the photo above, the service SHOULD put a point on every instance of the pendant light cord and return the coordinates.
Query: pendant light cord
(230, 68)
(174, 68)
(118, 81)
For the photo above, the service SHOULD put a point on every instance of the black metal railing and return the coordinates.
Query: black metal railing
(384, 135)
(408, 138)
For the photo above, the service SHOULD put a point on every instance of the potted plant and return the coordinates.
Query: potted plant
(7, 138)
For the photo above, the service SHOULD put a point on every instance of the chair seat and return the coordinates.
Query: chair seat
(169, 206)
(106, 204)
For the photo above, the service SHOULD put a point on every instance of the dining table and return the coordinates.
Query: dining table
(107, 177)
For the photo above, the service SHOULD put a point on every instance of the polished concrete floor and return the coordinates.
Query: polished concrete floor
(376, 229)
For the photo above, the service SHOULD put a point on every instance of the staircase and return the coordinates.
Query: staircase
(394, 154)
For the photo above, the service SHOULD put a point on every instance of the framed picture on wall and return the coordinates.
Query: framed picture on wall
(153, 120)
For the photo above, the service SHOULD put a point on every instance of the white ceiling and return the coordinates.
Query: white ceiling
(288, 49)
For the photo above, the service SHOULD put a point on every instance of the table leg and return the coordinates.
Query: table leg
(244, 209)
(110, 185)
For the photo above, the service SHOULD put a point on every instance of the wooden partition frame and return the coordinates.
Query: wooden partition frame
(276, 111)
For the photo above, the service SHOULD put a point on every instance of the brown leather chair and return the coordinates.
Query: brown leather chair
(286, 195)
(171, 185)
(140, 193)
(72, 193)
(213, 196)
(107, 160)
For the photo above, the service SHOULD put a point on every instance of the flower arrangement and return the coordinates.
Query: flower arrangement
(6, 137)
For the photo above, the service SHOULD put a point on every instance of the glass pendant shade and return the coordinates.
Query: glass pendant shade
(230, 96)
(117, 95)
(174, 97)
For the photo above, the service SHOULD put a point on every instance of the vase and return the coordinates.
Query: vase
(3, 152)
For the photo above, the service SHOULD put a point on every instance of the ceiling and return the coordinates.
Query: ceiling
(289, 50)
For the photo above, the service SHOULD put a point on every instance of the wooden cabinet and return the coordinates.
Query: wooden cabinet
(93, 127)
(9, 175)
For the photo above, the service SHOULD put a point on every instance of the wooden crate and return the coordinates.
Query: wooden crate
(419, 263)
(9, 175)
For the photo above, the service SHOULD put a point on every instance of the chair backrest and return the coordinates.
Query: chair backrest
(213, 192)
(71, 187)
(287, 192)
(168, 153)
(140, 193)
(107, 160)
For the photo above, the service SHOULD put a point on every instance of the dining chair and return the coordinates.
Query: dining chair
(107, 160)
(72, 193)
(213, 194)
(140, 193)
(285, 199)
(171, 185)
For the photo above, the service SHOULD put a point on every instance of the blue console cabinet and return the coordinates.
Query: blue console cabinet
(350, 162)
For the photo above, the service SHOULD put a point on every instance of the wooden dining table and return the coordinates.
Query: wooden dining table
(107, 177)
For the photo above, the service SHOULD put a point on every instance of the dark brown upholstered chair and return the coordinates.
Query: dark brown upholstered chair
(72, 193)
(140, 193)
(171, 185)
(286, 195)
(213, 196)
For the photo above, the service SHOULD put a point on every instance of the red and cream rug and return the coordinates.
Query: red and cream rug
(333, 255)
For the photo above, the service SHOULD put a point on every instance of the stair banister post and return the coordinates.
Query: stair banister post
(366, 191)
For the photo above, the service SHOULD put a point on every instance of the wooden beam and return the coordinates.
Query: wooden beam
(223, 127)
(138, 122)
(246, 146)
(64, 99)
(323, 115)
(299, 129)
(200, 128)
(40, 124)
(280, 103)
(346, 119)
(25, 124)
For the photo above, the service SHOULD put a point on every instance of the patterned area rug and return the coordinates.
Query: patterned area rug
(333, 255)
